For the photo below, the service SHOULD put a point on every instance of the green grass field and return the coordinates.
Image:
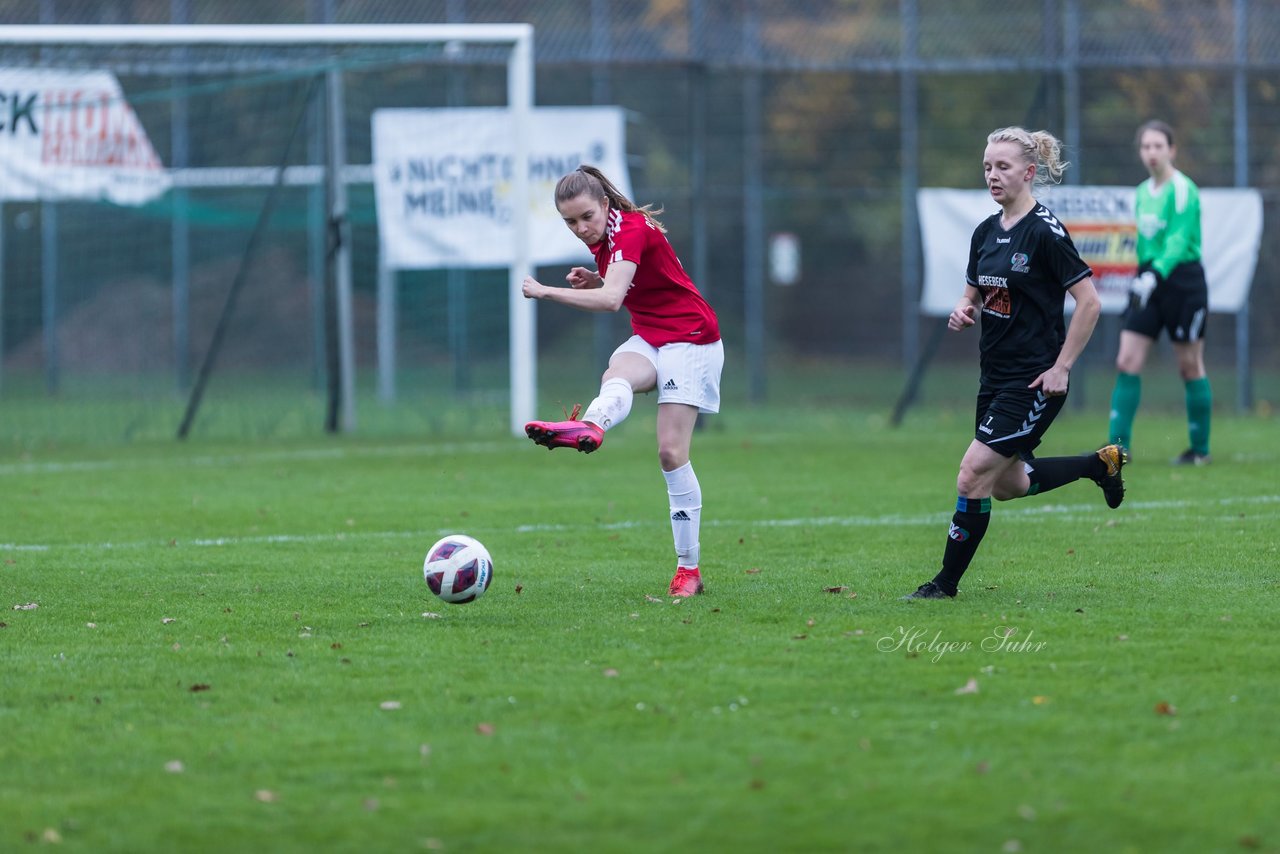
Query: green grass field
(234, 649)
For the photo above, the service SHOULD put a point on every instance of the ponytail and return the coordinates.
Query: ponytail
(590, 181)
(1039, 147)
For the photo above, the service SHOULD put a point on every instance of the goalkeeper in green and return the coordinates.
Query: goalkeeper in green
(1168, 293)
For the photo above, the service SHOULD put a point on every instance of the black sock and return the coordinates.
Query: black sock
(1052, 472)
(968, 526)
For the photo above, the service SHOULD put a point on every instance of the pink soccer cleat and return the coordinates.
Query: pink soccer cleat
(583, 435)
(688, 582)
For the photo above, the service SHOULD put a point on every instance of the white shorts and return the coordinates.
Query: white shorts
(687, 373)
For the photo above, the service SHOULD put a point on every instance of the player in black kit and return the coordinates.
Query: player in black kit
(1021, 262)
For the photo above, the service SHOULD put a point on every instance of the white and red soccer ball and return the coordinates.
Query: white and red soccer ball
(458, 569)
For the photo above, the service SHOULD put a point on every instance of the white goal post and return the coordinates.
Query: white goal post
(516, 39)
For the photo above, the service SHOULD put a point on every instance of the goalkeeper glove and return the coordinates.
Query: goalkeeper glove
(1140, 290)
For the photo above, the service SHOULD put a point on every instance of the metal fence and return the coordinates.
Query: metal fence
(820, 118)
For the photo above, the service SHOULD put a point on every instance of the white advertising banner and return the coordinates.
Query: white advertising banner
(442, 181)
(72, 135)
(1101, 223)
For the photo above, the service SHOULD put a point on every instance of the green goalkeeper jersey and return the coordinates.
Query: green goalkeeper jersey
(1168, 223)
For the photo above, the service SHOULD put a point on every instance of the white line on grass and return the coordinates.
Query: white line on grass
(307, 454)
(1059, 512)
(304, 454)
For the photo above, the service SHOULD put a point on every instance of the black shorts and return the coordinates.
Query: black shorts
(1179, 304)
(1011, 421)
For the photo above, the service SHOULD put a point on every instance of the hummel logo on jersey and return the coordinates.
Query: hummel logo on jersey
(670, 385)
(1051, 221)
(1003, 239)
(680, 516)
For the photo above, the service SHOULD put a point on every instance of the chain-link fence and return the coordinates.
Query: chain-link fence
(817, 118)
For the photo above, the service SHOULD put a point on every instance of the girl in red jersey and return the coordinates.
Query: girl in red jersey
(676, 347)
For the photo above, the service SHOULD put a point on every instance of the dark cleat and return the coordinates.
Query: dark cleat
(1191, 458)
(930, 590)
(1115, 458)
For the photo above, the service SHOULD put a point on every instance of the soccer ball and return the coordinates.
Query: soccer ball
(458, 569)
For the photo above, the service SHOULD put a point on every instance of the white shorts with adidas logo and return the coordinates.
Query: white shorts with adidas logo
(687, 373)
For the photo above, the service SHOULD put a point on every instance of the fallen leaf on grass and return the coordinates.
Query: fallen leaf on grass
(431, 615)
(266, 796)
(485, 728)
(200, 686)
(610, 672)
(168, 620)
(970, 687)
(1166, 708)
(29, 606)
(755, 570)
(837, 589)
(519, 587)
(649, 598)
(389, 705)
(174, 766)
(1040, 700)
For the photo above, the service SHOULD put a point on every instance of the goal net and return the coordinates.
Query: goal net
(188, 238)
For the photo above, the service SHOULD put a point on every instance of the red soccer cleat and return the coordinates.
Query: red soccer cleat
(688, 582)
(583, 435)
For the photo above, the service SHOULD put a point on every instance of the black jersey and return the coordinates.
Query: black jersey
(1023, 275)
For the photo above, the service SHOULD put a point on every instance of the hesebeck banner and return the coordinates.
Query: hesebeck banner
(1100, 221)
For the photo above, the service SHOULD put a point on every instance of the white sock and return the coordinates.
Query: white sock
(685, 497)
(612, 406)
